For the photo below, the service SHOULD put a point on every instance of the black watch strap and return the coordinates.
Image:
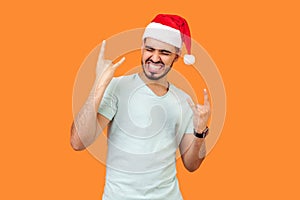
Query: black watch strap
(203, 134)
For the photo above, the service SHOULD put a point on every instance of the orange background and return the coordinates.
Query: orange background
(254, 44)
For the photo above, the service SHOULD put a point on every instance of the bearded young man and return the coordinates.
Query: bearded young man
(148, 118)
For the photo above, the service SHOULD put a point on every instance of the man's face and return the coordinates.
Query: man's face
(157, 58)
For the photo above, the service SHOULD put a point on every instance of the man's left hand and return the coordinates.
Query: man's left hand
(201, 113)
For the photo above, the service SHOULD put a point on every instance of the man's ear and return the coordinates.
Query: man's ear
(176, 57)
(142, 47)
(178, 54)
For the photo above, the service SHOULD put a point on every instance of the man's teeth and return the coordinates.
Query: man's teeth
(154, 66)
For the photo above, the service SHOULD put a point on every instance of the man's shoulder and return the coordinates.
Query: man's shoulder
(129, 77)
(179, 92)
(122, 83)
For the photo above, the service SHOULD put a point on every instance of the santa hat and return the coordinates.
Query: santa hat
(171, 29)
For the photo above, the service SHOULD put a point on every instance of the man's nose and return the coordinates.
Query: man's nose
(155, 56)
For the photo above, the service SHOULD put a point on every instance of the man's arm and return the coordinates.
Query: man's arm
(192, 151)
(85, 127)
(192, 148)
(76, 140)
(88, 124)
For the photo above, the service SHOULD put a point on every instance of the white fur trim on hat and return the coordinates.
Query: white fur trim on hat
(163, 33)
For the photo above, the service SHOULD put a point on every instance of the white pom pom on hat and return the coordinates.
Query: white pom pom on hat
(188, 59)
(171, 29)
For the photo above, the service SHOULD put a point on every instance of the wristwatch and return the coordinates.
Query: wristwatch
(203, 134)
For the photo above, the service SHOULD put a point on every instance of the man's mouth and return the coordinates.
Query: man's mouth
(154, 67)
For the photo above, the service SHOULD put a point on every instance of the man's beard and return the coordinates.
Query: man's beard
(153, 77)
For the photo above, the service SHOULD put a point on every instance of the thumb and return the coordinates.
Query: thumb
(119, 63)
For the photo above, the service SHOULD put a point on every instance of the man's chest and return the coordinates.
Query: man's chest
(148, 111)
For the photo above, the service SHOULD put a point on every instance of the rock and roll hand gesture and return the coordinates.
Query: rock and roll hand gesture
(105, 69)
(201, 113)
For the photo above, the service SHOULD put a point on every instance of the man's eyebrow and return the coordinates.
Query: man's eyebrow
(148, 47)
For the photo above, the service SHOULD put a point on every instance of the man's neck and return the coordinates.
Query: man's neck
(163, 82)
(159, 87)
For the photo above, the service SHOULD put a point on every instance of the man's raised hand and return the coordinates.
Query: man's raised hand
(105, 69)
(201, 113)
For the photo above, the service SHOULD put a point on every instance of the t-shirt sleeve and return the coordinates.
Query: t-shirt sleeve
(186, 119)
(109, 103)
(189, 126)
(186, 122)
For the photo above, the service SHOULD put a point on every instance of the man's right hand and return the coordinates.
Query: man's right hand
(105, 69)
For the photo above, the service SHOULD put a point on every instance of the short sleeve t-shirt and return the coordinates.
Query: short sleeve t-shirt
(144, 134)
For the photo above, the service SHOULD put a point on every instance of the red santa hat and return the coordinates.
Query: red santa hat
(171, 29)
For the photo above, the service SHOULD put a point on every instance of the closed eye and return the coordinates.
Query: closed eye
(150, 49)
(161, 51)
(165, 52)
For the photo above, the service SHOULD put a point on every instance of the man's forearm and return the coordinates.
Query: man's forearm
(85, 126)
(195, 154)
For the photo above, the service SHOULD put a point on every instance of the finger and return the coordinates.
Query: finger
(119, 63)
(101, 54)
(191, 103)
(206, 99)
(199, 107)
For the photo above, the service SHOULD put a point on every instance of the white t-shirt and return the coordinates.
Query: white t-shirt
(144, 135)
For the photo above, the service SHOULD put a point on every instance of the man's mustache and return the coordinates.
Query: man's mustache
(158, 62)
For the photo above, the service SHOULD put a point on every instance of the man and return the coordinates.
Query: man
(148, 118)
